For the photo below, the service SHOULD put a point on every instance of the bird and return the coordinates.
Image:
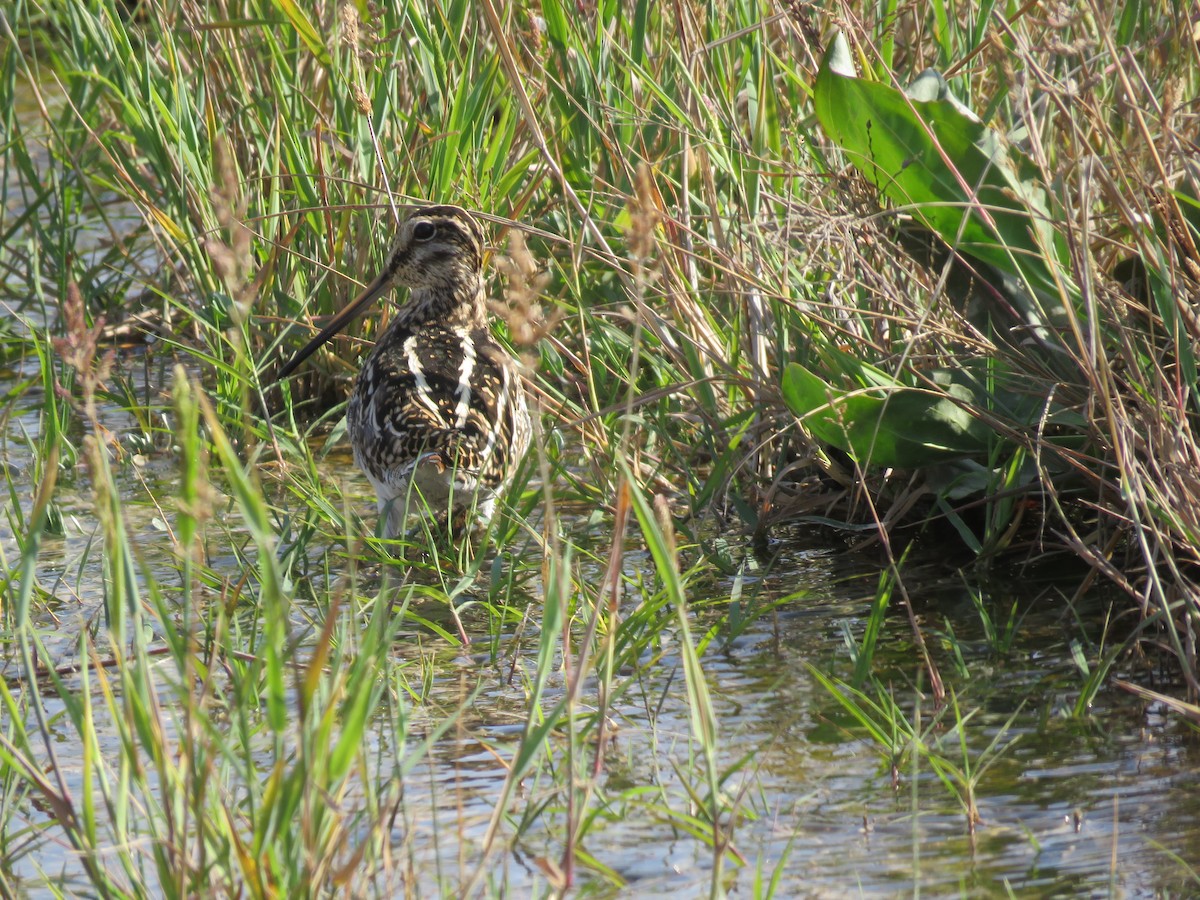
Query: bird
(438, 417)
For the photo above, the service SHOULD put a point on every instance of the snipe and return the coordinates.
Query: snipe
(438, 418)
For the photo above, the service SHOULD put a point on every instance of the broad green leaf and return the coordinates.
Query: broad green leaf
(927, 151)
(899, 426)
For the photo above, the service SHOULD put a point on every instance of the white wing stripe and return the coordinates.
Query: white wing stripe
(463, 408)
(424, 394)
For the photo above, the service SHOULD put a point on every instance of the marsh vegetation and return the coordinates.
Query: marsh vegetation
(857, 547)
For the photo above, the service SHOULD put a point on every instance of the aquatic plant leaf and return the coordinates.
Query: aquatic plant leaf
(958, 177)
(899, 426)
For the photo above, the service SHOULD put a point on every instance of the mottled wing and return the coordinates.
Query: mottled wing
(504, 395)
(434, 390)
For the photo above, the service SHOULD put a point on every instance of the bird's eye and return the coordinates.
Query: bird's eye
(424, 231)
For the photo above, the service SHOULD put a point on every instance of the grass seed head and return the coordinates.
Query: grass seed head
(521, 308)
(350, 30)
(78, 347)
(232, 259)
(643, 216)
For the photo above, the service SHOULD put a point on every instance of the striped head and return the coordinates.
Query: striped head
(438, 248)
(438, 255)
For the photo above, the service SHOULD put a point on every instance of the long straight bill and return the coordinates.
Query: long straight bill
(336, 324)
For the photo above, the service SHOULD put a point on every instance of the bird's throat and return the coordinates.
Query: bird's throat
(461, 304)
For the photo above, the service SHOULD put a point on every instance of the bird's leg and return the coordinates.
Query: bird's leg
(392, 513)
